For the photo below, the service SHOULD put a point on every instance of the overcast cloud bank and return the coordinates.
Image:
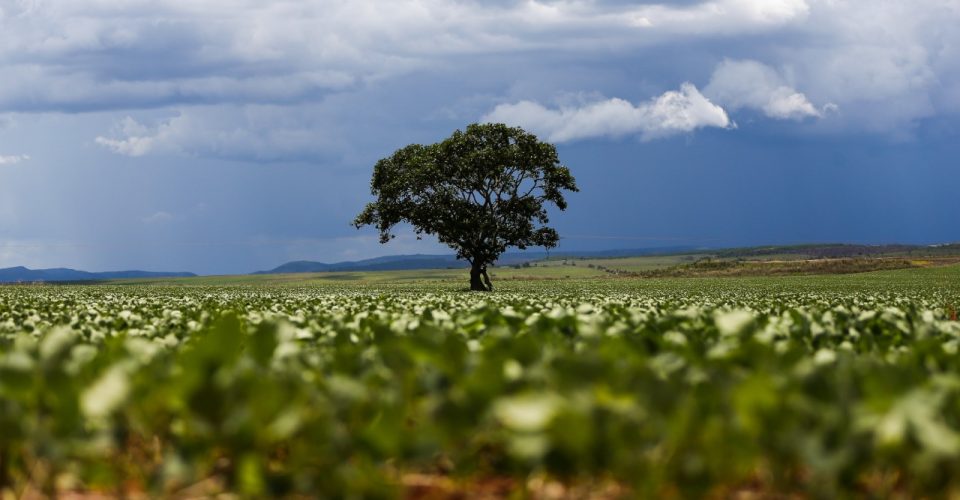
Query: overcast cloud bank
(885, 65)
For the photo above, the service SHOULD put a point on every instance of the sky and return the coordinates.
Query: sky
(228, 137)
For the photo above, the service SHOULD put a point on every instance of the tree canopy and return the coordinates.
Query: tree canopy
(480, 191)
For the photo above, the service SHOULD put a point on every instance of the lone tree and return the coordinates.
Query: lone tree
(480, 191)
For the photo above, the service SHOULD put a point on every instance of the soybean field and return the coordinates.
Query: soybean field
(804, 386)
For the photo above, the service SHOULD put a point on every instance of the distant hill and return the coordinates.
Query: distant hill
(18, 274)
(392, 263)
(421, 261)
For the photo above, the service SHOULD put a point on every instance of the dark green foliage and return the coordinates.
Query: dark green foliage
(480, 191)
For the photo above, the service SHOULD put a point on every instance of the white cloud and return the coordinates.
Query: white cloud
(672, 113)
(158, 218)
(752, 85)
(13, 159)
(252, 133)
(721, 16)
(135, 138)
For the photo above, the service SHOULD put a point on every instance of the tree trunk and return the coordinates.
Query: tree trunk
(486, 279)
(477, 272)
